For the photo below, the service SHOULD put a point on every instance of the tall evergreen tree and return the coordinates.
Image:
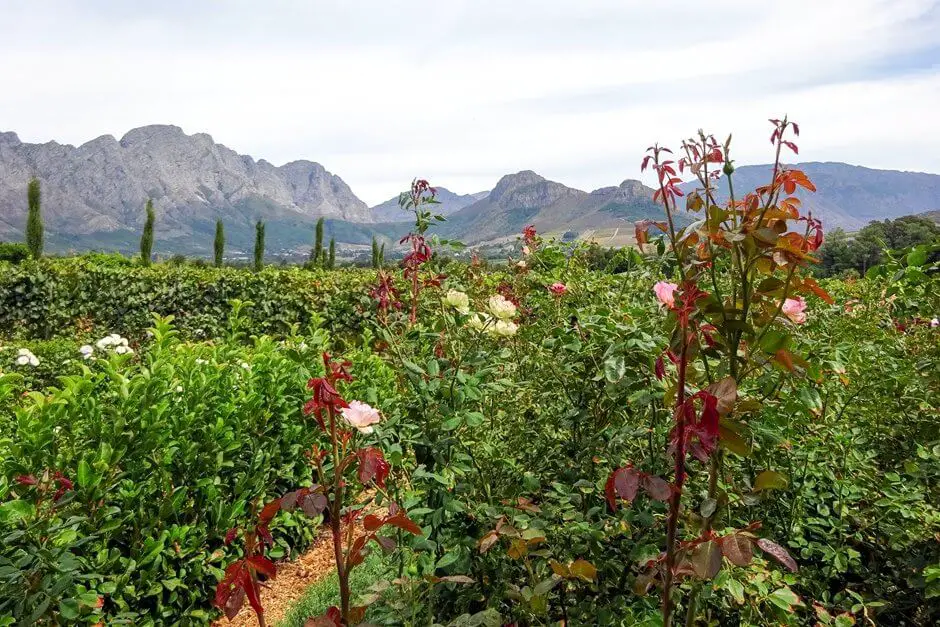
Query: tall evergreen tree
(382, 257)
(259, 245)
(375, 253)
(146, 240)
(331, 260)
(34, 226)
(219, 243)
(317, 250)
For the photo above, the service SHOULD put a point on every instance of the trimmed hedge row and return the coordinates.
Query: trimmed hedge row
(98, 294)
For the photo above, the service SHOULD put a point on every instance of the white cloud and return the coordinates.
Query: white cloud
(462, 92)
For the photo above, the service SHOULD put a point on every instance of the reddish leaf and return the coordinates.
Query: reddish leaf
(487, 541)
(263, 565)
(706, 559)
(778, 553)
(814, 287)
(356, 554)
(234, 603)
(387, 544)
(253, 592)
(737, 548)
(229, 595)
(230, 535)
(404, 523)
(332, 618)
(372, 466)
(268, 512)
(622, 482)
(372, 522)
(784, 358)
(660, 368)
(726, 391)
(658, 489)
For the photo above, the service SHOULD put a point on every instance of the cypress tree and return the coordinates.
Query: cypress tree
(259, 245)
(382, 256)
(219, 243)
(34, 226)
(317, 251)
(331, 260)
(146, 240)
(375, 253)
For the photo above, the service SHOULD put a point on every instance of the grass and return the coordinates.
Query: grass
(321, 595)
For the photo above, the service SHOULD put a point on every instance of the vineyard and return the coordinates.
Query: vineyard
(699, 433)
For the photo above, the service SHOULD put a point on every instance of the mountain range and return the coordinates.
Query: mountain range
(94, 197)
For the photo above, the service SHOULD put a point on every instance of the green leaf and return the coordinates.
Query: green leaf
(774, 340)
(737, 590)
(615, 367)
(16, 509)
(69, 608)
(84, 474)
(448, 558)
(770, 480)
(917, 257)
(731, 440)
(784, 598)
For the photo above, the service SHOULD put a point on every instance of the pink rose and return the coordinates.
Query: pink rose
(666, 293)
(558, 288)
(795, 309)
(361, 415)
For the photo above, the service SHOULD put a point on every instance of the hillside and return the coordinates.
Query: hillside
(94, 194)
(449, 203)
(527, 198)
(851, 196)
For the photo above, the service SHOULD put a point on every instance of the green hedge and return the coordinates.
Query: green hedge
(168, 448)
(98, 294)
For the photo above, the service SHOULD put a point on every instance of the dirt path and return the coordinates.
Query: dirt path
(293, 579)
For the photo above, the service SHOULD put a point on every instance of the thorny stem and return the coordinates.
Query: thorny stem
(668, 604)
(336, 523)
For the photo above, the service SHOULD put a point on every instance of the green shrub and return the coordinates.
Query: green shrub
(14, 252)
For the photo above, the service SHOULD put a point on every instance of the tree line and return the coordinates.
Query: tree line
(848, 253)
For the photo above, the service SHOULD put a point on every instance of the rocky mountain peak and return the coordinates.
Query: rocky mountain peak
(153, 132)
(512, 182)
(9, 138)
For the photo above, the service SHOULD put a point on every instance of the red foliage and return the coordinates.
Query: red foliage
(372, 466)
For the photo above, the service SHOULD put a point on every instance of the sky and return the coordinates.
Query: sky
(464, 91)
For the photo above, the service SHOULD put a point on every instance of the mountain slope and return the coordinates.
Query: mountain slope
(851, 196)
(527, 198)
(94, 194)
(449, 202)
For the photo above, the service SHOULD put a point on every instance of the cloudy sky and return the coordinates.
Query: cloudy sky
(463, 91)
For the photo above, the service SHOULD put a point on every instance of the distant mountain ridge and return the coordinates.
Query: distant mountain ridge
(94, 196)
(449, 202)
(528, 198)
(98, 190)
(850, 196)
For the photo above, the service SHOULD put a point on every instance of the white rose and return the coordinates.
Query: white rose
(458, 300)
(479, 321)
(361, 416)
(123, 349)
(505, 328)
(87, 350)
(201, 362)
(502, 308)
(25, 357)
